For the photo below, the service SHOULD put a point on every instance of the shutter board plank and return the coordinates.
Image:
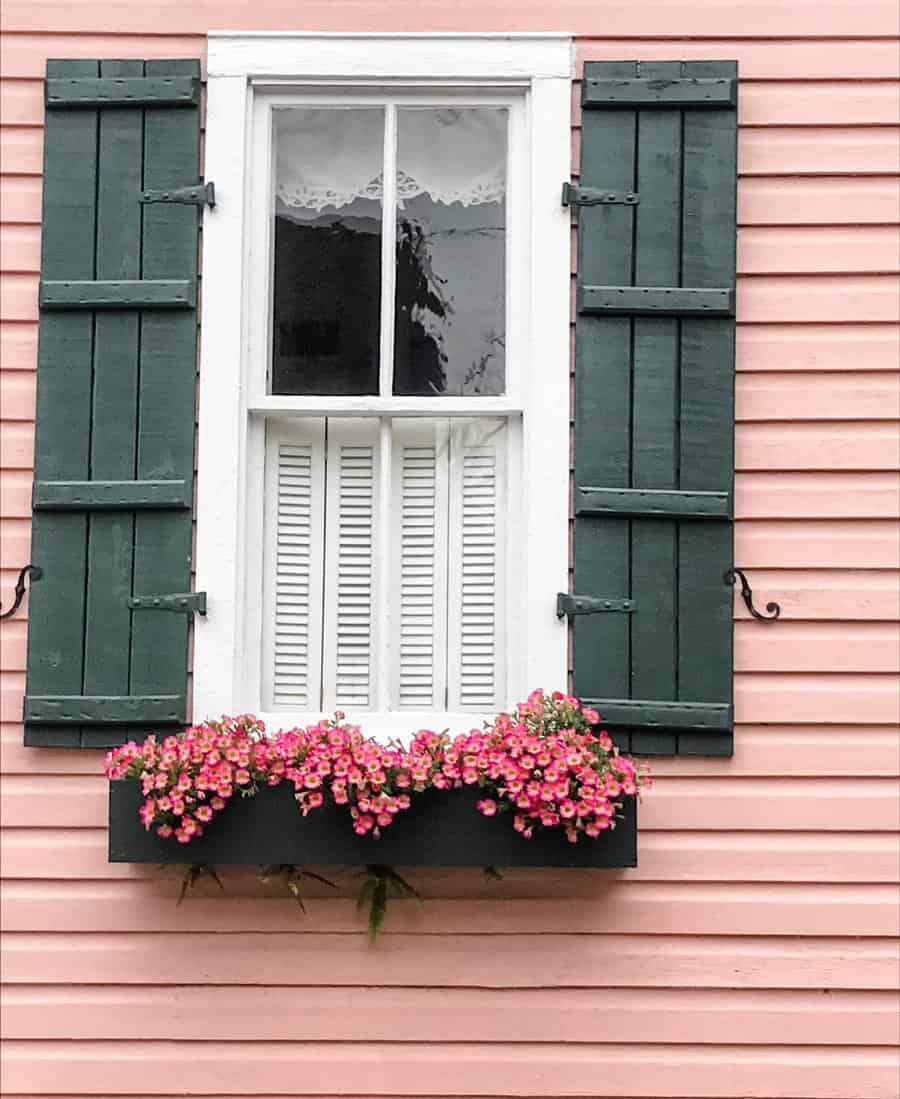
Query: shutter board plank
(654, 502)
(707, 412)
(714, 717)
(56, 605)
(667, 88)
(603, 395)
(168, 350)
(108, 709)
(118, 495)
(107, 641)
(113, 294)
(668, 300)
(127, 90)
(655, 386)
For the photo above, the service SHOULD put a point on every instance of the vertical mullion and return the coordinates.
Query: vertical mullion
(388, 251)
(382, 641)
(383, 647)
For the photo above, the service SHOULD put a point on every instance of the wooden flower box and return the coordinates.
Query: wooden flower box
(441, 828)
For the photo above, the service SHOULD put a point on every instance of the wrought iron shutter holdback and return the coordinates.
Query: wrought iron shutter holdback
(30, 572)
(774, 609)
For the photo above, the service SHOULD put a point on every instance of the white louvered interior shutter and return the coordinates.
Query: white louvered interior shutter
(476, 568)
(440, 642)
(350, 559)
(295, 483)
(419, 535)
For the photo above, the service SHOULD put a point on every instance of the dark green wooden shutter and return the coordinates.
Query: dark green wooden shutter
(654, 402)
(115, 405)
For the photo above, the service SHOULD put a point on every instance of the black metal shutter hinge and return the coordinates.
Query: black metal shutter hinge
(204, 194)
(573, 195)
(567, 604)
(191, 602)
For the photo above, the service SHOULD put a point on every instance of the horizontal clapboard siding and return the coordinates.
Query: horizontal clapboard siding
(456, 1068)
(460, 1015)
(706, 966)
(637, 907)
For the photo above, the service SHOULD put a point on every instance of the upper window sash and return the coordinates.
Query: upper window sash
(260, 221)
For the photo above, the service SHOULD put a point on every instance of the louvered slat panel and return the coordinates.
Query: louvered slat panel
(295, 507)
(476, 519)
(419, 576)
(291, 671)
(417, 560)
(350, 563)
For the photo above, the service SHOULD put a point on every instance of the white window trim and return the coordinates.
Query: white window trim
(227, 665)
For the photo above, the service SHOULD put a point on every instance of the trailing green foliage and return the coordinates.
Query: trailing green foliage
(291, 876)
(193, 874)
(375, 891)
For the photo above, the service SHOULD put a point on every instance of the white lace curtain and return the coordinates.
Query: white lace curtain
(329, 157)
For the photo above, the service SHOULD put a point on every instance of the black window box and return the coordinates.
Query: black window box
(441, 828)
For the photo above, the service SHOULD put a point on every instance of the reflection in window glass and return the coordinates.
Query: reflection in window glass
(450, 319)
(327, 244)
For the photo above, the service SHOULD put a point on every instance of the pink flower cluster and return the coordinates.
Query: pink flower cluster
(544, 763)
(375, 780)
(548, 766)
(189, 778)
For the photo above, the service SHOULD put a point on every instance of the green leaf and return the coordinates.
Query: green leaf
(493, 873)
(210, 872)
(401, 885)
(318, 878)
(293, 886)
(266, 873)
(191, 876)
(365, 893)
(378, 907)
(187, 882)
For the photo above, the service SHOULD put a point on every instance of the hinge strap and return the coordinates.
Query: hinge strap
(567, 604)
(573, 195)
(204, 194)
(191, 602)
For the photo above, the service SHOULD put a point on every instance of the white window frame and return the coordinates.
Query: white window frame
(242, 69)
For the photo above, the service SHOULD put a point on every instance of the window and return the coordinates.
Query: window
(384, 379)
(387, 538)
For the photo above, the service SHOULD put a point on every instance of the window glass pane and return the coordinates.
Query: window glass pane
(327, 243)
(450, 321)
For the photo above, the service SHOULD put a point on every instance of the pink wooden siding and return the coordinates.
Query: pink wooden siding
(752, 952)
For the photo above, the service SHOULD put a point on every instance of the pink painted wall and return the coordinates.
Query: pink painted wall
(751, 952)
